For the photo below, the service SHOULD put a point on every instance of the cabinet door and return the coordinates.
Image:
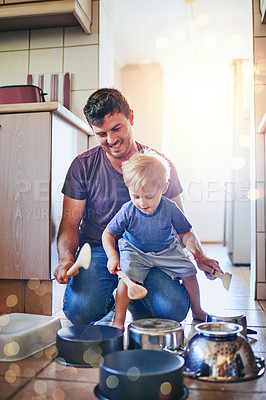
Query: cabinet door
(24, 195)
(67, 142)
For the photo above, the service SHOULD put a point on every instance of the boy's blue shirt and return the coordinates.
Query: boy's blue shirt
(149, 232)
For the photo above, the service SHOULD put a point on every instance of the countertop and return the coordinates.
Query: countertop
(55, 107)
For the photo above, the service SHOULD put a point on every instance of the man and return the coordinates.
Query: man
(94, 191)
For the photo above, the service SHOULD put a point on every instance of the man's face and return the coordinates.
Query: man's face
(115, 136)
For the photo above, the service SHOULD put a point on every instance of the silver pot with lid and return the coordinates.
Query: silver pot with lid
(156, 334)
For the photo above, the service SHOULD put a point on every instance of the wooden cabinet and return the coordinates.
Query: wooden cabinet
(36, 149)
(33, 14)
(20, 1)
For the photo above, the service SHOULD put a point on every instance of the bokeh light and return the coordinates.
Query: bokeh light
(253, 194)
(58, 394)
(112, 382)
(10, 376)
(166, 388)
(33, 284)
(238, 162)
(161, 42)
(40, 387)
(202, 20)
(11, 349)
(4, 320)
(133, 374)
(11, 300)
(15, 368)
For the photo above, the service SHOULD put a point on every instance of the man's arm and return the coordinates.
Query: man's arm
(68, 237)
(113, 263)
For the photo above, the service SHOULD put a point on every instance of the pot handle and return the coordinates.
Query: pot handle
(260, 365)
(176, 351)
(189, 374)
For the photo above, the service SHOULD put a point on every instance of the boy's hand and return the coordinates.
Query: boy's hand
(113, 264)
(208, 266)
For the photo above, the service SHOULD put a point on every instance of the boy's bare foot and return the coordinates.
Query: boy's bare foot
(200, 315)
(118, 325)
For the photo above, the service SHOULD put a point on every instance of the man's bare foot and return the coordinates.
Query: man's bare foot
(200, 315)
(118, 325)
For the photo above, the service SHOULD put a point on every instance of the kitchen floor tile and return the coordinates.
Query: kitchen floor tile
(53, 389)
(221, 395)
(69, 373)
(9, 385)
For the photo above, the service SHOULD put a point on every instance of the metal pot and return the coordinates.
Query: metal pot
(85, 345)
(141, 375)
(156, 334)
(218, 352)
(21, 94)
(230, 317)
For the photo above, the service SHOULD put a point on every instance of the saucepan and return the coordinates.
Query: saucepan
(232, 317)
(21, 94)
(142, 375)
(85, 345)
(156, 334)
(218, 352)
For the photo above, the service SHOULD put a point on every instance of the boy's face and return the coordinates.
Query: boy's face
(148, 198)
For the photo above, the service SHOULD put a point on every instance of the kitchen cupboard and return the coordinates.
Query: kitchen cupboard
(20, 1)
(37, 144)
(36, 14)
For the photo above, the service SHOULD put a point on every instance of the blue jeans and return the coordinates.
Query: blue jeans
(89, 295)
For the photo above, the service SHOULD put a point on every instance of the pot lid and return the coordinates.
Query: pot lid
(153, 325)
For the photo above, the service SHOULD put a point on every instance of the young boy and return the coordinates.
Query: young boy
(148, 241)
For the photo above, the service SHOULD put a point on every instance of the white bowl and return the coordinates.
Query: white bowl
(22, 335)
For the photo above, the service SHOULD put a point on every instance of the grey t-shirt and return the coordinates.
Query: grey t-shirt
(91, 177)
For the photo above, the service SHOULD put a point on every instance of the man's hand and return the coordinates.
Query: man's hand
(113, 264)
(60, 273)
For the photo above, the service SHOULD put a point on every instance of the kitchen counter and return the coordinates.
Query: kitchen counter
(55, 107)
(38, 142)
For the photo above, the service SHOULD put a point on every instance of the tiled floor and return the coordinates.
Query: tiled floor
(38, 377)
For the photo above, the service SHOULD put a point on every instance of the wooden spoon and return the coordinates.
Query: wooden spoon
(134, 290)
(226, 278)
(83, 260)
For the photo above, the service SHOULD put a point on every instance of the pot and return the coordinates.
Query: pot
(85, 345)
(230, 317)
(156, 334)
(21, 94)
(218, 352)
(141, 375)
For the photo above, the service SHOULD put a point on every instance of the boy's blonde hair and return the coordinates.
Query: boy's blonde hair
(144, 168)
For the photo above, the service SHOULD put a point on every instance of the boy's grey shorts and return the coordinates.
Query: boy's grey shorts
(136, 264)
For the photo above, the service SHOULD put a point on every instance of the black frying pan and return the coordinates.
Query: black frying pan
(85, 345)
(141, 375)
